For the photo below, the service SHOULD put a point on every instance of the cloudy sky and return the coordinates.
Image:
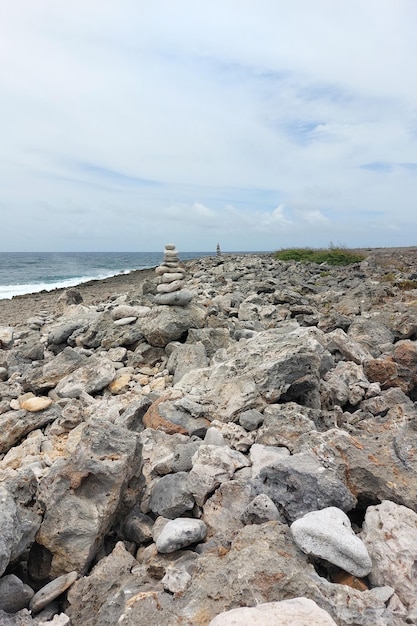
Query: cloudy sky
(258, 124)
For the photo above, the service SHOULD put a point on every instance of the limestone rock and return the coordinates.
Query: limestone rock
(6, 337)
(165, 324)
(213, 465)
(294, 612)
(89, 378)
(179, 533)
(327, 534)
(299, 484)
(18, 523)
(14, 425)
(390, 535)
(170, 496)
(81, 495)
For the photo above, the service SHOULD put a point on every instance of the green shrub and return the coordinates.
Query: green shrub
(331, 256)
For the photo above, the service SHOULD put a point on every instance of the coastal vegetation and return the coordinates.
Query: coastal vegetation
(332, 255)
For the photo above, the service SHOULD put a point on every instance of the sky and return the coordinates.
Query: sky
(258, 125)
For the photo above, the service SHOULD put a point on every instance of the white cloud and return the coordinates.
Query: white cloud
(254, 120)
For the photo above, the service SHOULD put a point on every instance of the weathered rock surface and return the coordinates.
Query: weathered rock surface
(180, 462)
(327, 534)
(295, 612)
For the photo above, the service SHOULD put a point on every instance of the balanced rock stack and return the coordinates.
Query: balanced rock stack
(170, 290)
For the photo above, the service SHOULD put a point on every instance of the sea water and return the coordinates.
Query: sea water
(31, 272)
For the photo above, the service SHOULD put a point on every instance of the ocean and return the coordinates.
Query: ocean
(31, 272)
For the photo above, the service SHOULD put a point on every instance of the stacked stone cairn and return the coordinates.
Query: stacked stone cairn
(170, 290)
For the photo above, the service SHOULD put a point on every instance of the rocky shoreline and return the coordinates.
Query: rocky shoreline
(250, 457)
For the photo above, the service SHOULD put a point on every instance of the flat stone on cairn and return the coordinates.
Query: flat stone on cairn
(170, 290)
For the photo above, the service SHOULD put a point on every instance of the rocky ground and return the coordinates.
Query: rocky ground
(248, 458)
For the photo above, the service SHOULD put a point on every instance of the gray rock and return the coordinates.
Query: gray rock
(390, 535)
(81, 494)
(14, 594)
(260, 510)
(175, 298)
(18, 524)
(284, 362)
(89, 378)
(327, 534)
(222, 511)
(339, 341)
(182, 457)
(100, 597)
(103, 332)
(170, 496)
(60, 332)
(48, 375)
(165, 324)
(213, 339)
(251, 420)
(213, 465)
(14, 425)
(265, 456)
(6, 337)
(185, 358)
(299, 484)
(180, 533)
(371, 334)
(137, 526)
(52, 590)
(214, 437)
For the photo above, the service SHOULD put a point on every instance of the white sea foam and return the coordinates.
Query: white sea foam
(9, 291)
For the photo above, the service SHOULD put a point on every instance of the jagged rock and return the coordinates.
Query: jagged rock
(264, 456)
(81, 494)
(186, 358)
(222, 511)
(346, 384)
(213, 339)
(166, 416)
(100, 597)
(165, 324)
(299, 484)
(213, 465)
(372, 335)
(60, 332)
(48, 375)
(390, 535)
(137, 526)
(103, 332)
(19, 520)
(284, 362)
(14, 425)
(327, 534)
(283, 424)
(260, 510)
(96, 374)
